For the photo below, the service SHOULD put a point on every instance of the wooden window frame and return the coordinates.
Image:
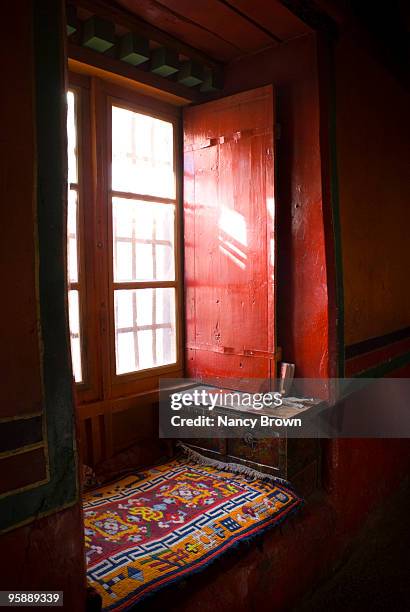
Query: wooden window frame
(100, 381)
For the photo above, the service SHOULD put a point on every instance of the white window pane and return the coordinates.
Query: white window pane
(145, 302)
(72, 254)
(75, 336)
(164, 304)
(123, 258)
(143, 238)
(164, 263)
(166, 344)
(72, 137)
(144, 262)
(76, 359)
(125, 352)
(142, 154)
(146, 349)
(72, 260)
(124, 312)
(123, 218)
(145, 334)
(72, 213)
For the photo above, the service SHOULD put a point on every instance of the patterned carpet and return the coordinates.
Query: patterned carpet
(153, 528)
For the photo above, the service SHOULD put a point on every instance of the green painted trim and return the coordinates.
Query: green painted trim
(134, 49)
(191, 74)
(98, 34)
(71, 19)
(386, 367)
(164, 62)
(212, 81)
(49, 97)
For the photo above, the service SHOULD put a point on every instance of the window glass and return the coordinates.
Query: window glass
(72, 137)
(142, 154)
(75, 338)
(143, 240)
(145, 335)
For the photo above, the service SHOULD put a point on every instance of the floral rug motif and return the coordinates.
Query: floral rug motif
(152, 528)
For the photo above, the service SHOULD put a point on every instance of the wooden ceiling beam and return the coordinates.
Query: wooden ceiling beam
(185, 19)
(252, 21)
(83, 57)
(128, 20)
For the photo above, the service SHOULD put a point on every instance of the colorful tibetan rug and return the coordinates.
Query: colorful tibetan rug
(150, 529)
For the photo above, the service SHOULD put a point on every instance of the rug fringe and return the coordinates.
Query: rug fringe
(236, 468)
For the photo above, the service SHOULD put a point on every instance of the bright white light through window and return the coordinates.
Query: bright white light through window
(143, 241)
(72, 137)
(142, 154)
(72, 258)
(143, 235)
(72, 238)
(144, 329)
(74, 315)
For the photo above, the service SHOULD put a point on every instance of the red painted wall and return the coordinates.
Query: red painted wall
(357, 474)
(373, 135)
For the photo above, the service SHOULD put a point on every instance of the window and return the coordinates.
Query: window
(72, 238)
(143, 220)
(123, 239)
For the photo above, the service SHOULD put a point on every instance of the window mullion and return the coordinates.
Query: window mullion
(130, 195)
(144, 285)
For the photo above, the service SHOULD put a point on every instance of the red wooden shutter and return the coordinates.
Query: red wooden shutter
(230, 238)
